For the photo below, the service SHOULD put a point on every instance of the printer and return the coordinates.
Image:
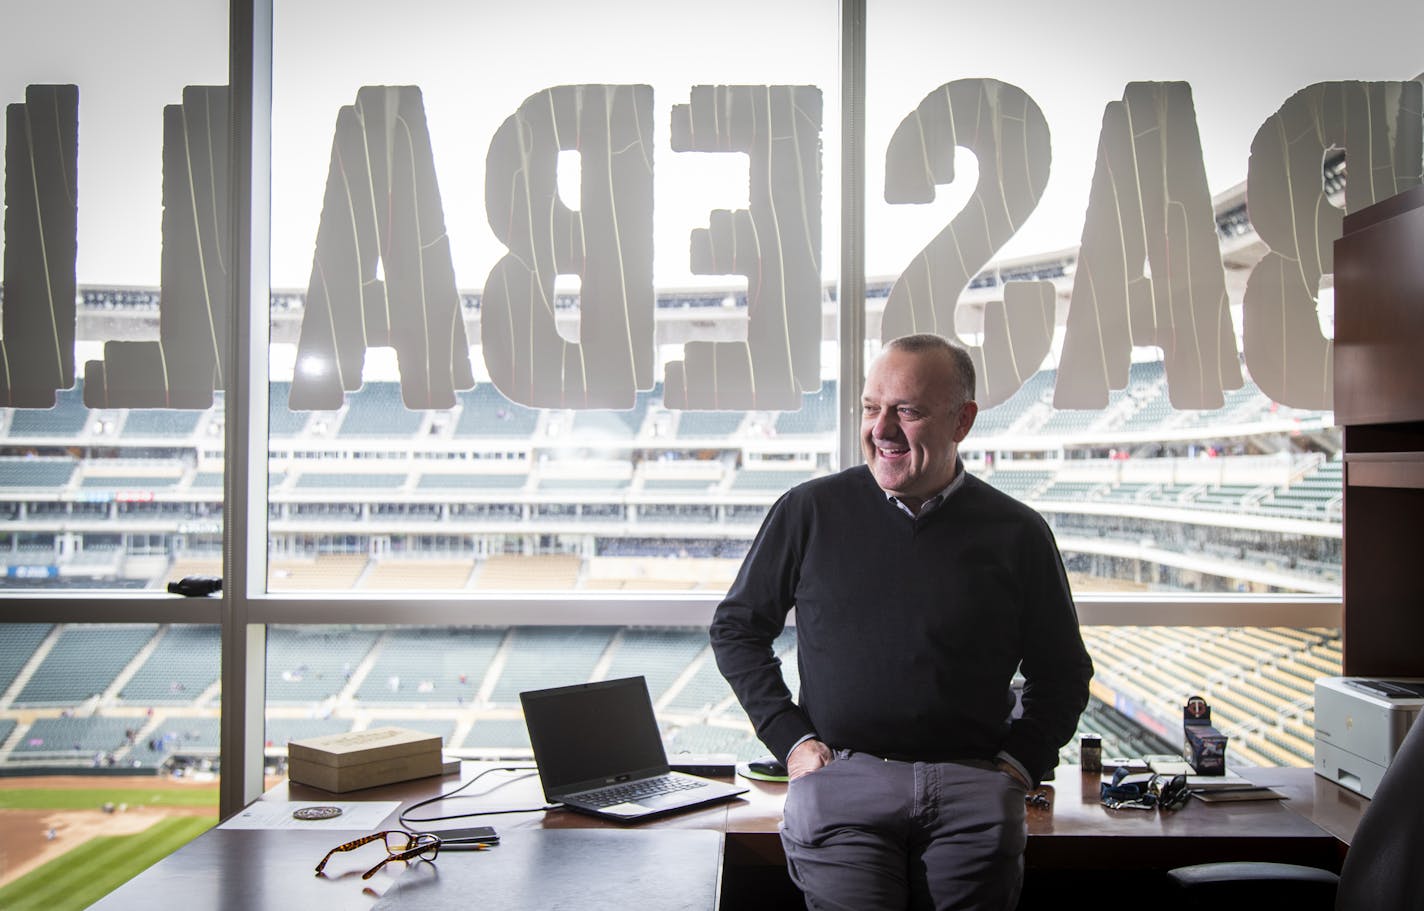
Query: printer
(1359, 724)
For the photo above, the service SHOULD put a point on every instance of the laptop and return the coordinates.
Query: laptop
(599, 751)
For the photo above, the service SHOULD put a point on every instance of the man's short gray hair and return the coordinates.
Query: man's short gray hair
(958, 356)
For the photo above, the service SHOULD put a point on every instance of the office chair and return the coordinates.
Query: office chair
(1383, 869)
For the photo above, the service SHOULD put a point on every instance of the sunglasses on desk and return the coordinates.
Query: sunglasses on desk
(399, 846)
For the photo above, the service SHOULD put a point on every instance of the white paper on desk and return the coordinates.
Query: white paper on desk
(277, 814)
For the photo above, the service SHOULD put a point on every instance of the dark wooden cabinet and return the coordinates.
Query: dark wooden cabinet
(1379, 401)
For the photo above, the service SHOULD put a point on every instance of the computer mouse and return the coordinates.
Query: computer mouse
(768, 766)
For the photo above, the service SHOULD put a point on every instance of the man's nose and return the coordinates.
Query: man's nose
(886, 427)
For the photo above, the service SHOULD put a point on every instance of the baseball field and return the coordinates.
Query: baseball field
(67, 841)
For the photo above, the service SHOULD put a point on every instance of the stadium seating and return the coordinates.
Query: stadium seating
(74, 737)
(281, 729)
(485, 412)
(1023, 485)
(83, 663)
(128, 481)
(492, 467)
(377, 410)
(191, 564)
(281, 420)
(208, 480)
(66, 419)
(764, 479)
(311, 664)
(453, 662)
(179, 670)
(450, 481)
(677, 513)
(443, 727)
(188, 735)
(1006, 415)
(817, 414)
(151, 422)
(546, 572)
(595, 424)
(1065, 423)
(1072, 490)
(320, 480)
(497, 736)
(1259, 690)
(709, 424)
(592, 485)
(678, 485)
(659, 655)
(324, 572)
(529, 651)
(1262, 716)
(17, 646)
(410, 575)
(701, 739)
(47, 474)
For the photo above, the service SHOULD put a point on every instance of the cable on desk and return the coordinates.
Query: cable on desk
(405, 817)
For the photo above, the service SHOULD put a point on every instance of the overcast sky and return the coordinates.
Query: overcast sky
(475, 66)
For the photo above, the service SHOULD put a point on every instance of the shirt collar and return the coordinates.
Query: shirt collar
(938, 499)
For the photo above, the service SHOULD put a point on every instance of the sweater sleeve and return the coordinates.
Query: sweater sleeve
(750, 618)
(1055, 666)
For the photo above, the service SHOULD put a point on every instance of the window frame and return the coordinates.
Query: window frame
(244, 609)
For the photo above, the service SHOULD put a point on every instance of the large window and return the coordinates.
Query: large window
(115, 294)
(560, 300)
(1153, 377)
(546, 328)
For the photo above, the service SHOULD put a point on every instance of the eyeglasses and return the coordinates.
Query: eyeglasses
(399, 846)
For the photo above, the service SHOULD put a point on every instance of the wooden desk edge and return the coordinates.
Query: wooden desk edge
(1082, 833)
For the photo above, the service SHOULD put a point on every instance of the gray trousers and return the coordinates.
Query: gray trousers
(865, 834)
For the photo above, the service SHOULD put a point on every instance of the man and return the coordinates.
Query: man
(919, 590)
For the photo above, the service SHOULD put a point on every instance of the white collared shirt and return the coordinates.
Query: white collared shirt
(938, 499)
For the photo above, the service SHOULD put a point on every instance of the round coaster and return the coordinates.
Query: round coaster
(316, 812)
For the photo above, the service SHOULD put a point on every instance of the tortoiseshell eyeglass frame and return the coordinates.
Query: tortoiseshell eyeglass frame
(426, 847)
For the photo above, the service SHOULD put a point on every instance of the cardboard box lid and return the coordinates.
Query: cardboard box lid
(356, 747)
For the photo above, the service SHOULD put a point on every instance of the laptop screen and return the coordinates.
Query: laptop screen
(593, 731)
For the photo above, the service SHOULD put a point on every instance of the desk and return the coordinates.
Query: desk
(1078, 833)
(236, 870)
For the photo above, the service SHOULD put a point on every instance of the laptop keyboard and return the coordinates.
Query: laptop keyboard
(635, 791)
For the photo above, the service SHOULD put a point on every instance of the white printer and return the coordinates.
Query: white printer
(1359, 725)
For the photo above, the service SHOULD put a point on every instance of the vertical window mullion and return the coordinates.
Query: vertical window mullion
(851, 294)
(245, 404)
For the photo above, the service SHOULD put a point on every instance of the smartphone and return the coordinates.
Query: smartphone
(467, 839)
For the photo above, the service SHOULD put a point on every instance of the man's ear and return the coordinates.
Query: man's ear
(966, 420)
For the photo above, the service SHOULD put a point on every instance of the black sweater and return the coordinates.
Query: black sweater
(908, 630)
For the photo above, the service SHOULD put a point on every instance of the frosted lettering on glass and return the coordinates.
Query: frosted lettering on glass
(186, 364)
(608, 243)
(775, 243)
(1378, 124)
(41, 244)
(1008, 134)
(382, 206)
(1149, 267)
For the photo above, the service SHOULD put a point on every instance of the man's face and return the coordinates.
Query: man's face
(912, 422)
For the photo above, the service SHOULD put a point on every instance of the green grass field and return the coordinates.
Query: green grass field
(92, 870)
(94, 798)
